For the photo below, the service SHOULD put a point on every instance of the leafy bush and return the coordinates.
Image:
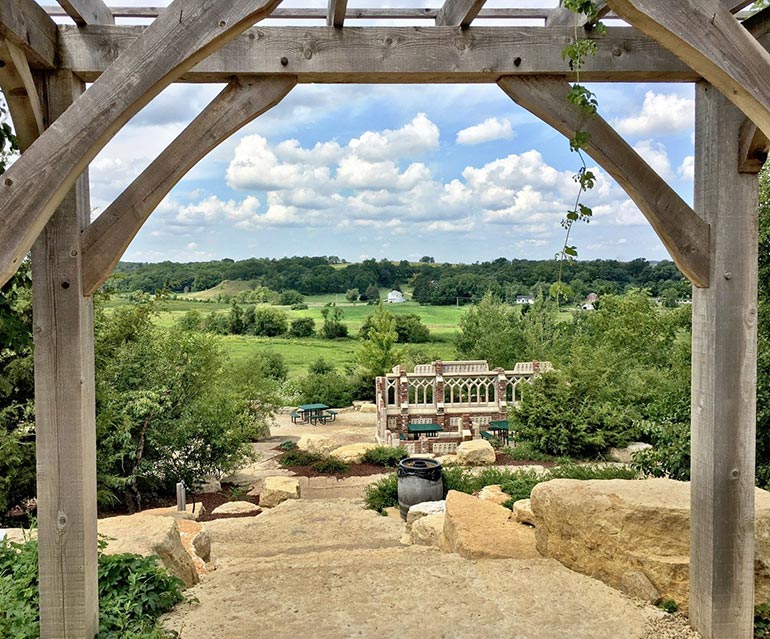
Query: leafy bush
(289, 298)
(298, 457)
(270, 322)
(762, 621)
(525, 451)
(320, 367)
(331, 389)
(287, 445)
(333, 328)
(299, 307)
(670, 455)
(382, 494)
(302, 327)
(410, 329)
(387, 456)
(133, 593)
(331, 465)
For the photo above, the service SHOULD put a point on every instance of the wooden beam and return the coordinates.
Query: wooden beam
(684, 234)
(753, 148)
(758, 24)
(37, 182)
(563, 16)
(724, 356)
(107, 238)
(21, 94)
(64, 411)
(705, 35)
(395, 54)
(458, 13)
(85, 12)
(27, 25)
(335, 14)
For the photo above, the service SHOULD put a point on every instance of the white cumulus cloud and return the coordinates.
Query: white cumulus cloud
(656, 156)
(660, 113)
(489, 130)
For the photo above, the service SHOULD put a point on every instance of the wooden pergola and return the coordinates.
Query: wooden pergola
(61, 126)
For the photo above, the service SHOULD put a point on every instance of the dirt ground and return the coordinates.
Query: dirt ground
(328, 569)
(350, 427)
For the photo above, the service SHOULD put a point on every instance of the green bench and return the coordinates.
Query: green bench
(295, 416)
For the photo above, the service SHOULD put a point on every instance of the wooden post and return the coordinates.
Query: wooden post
(64, 410)
(724, 328)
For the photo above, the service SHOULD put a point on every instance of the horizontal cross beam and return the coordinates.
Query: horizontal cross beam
(85, 12)
(26, 25)
(394, 54)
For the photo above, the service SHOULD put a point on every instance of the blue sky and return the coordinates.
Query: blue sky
(459, 172)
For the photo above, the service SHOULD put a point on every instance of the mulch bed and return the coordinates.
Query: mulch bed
(501, 459)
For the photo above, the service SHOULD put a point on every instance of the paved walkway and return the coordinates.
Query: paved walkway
(332, 570)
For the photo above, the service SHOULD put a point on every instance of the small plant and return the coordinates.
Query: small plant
(298, 458)
(669, 605)
(331, 465)
(287, 445)
(387, 456)
(382, 494)
(762, 621)
(525, 451)
(237, 493)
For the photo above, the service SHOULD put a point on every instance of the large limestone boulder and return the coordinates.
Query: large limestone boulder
(320, 444)
(522, 512)
(192, 511)
(352, 453)
(424, 509)
(606, 529)
(428, 531)
(277, 490)
(475, 452)
(367, 407)
(474, 529)
(626, 455)
(448, 460)
(237, 508)
(150, 535)
(493, 493)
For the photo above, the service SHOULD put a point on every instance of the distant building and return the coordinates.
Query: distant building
(587, 307)
(525, 299)
(395, 297)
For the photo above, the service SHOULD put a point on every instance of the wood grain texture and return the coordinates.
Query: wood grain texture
(753, 148)
(27, 25)
(64, 411)
(34, 185)
(107, 238)
(705, 35)
(458, 13)
(395, 54)
(724, 351)
(85, 12)
(758, 24)
(684, 234)
(564, 16)
(335, 13)
(21, 94)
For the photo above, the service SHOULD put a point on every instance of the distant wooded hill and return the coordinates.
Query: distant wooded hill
(430, 283)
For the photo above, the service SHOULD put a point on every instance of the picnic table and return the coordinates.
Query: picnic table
(500, 429)
(313, 413)
(424, 429)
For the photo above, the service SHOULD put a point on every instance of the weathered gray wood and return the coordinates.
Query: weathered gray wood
(64, 412)
(34, 185)
(705, 35)
(21, 94)
(27, 25)
(758, 24)
(85, 12)
(684, 234)
(753, 148)
(396, 54)
(458, 13)
(564, 16)
(107, 238)
(335, 14)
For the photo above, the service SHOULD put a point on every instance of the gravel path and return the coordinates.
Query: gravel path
(328, 569)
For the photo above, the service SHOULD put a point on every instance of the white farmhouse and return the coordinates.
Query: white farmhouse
(395, 297)
(525, 299)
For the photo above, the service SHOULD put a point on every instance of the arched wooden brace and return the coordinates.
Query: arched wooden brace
(753, 148)
(708, 38)
(684, 234)
(106, 239)
(21, 94)
(186, 33)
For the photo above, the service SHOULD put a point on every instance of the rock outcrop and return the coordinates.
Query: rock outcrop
(606, 529)
(428, 531)
(320, 444)
(522, 512)
(626, 455)
(277, 490)
(493, 493)
(424, 509)
(237, 508)
(476, 452)
(352, 453)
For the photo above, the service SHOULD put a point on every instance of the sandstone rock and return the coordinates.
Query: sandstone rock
(493, 493)
(522, 512)
(192, 511)
(393, 511)
(448, 460)
(149, 535)
(201, 543)
(424, 509)
(21, 535)
(605, 529)
(237, 508)
(352, 453)
(476, 452)
(476, 529)
(209, 485)
(625, 455)
(367, 407)
(317, 444)
(636, 584)
(428, 531)
(277, 490)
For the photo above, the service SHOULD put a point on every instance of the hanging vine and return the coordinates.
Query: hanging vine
(585, 102)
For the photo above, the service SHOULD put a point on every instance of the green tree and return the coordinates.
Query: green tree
(235, 319)
(289, 298)
(191, 321)
(270, 322)
(377, 352)
(491, 330)
(333, 328)
(763, 330)
(302, 327)
(352, 295)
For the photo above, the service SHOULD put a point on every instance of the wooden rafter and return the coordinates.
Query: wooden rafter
(27, 25)
(335, 14)
(458, 13)
(85, 12)
(563, 16)
(684, 234)
(387, 54)
(705, 35)
(34, 185)
(758, 24)
(21, 94)
(106, 239)
(753, 148)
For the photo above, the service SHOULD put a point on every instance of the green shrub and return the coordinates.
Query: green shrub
(388, 456)
(298, 458)
(302, 327)
(670, 455)
(331, 389)
(289, 298)
(287, 445)
(331, 465)
(270, 322)
(382, 494)
(591, 471)
(300, 307)
(525, 451)
(133, 592)
(762, 621)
